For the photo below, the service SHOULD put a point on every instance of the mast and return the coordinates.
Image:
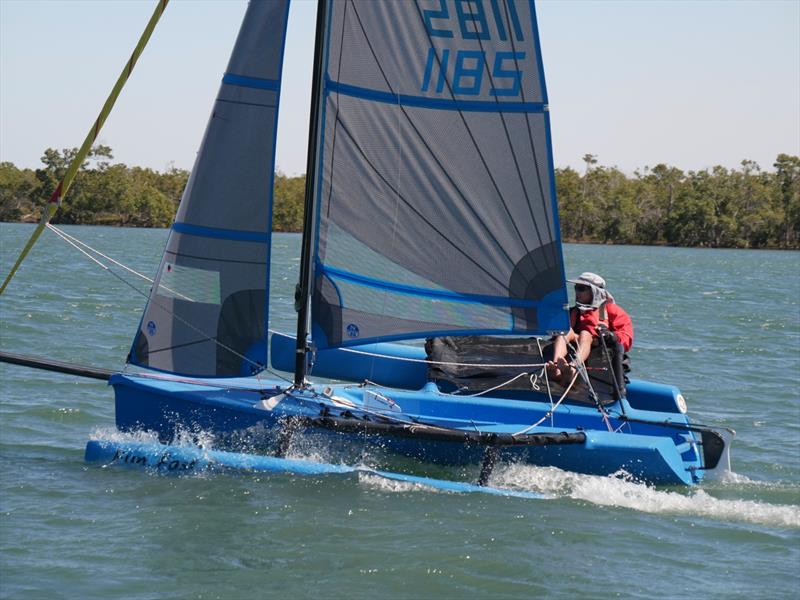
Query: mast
(303, 290)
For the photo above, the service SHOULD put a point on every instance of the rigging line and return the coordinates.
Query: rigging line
(433, 156)
(472, 137)
(497, 387)
(75, 242)
(78, 248)
(546, 380)
(63, 186)
(549, 414)
(69, 238)
(580, 367)
(187, 323)
(458, 248)
(437, 362)
(217, 259)
(158, 305)
(508, 136)
(184, 345)
(429, 362)
(530, 137)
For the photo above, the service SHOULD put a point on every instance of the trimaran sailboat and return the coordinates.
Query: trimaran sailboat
(430, 214)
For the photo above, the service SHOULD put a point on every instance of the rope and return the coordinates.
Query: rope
(580, 367)
(83, 247)
(341, 402)
(549, 413)
(437, 362)
(79, 245)
(497, 387)
(64, 237)
(547, 383)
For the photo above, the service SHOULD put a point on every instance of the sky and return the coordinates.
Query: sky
(689, 83)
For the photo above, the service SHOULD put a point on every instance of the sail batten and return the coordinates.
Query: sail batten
(435, 185)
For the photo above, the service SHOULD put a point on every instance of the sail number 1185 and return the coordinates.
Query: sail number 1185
(465, 68)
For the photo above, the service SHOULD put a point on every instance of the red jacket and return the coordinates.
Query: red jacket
(617, 320)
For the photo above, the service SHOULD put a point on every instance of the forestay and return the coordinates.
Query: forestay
(435, 193)
(209, 304)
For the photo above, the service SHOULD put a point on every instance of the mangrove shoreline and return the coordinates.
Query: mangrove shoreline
(747, 207)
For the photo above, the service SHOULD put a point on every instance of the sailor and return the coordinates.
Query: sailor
(595, 314)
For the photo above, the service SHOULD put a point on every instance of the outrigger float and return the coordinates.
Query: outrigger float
(431, 215)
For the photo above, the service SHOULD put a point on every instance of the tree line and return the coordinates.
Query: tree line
(746, 207)
(719, 208)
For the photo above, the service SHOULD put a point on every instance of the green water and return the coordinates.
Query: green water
(724, 325)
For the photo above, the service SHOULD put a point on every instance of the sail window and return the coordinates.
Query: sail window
(187, 283)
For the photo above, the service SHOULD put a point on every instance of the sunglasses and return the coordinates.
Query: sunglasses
(582, 288)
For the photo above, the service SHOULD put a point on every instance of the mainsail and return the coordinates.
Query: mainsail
(435, 196)
(208, 310)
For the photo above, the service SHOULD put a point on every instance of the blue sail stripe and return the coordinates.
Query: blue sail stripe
(251, 82)
(424, 292)
(434, 103)
(220, 234)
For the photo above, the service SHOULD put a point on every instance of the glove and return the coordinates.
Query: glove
(609, 336)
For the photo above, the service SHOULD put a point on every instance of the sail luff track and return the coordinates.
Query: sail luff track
(304, 286)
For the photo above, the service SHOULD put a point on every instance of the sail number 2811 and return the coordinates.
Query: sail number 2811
(473, 20)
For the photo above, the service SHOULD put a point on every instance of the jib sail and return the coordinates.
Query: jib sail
(208, 309)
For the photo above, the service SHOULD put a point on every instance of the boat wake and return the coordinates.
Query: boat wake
(618, 490)
(621, 492)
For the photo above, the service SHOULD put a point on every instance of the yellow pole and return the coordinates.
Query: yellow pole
(63, 187)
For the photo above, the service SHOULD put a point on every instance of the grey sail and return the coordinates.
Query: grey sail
(436, 210)
(208, 310)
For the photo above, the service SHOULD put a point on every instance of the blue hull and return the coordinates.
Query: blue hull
(233, 411)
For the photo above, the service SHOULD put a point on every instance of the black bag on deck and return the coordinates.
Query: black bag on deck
(457, 365)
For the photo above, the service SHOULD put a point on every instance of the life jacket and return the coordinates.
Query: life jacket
(607, 314)
(611, 315)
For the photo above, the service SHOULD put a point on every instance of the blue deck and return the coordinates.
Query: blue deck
(232, 411)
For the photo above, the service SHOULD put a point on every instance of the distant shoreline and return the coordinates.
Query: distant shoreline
(658, 206)
(565, 241)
